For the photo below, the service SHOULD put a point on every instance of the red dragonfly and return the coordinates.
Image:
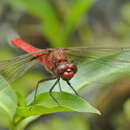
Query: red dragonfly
(54, 60)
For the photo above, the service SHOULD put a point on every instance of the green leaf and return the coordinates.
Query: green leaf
(90, 73)
(8, 100)
(54, 29)
(24, 122)
(98, 72)
(45, 104)
(51, 25)
(79, 8)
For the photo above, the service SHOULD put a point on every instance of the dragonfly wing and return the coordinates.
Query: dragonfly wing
(16, 67)
(91, 53)
(13, 73)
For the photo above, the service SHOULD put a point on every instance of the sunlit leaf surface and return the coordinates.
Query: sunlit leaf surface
(99, 72)
(8, 101)
(45, 104)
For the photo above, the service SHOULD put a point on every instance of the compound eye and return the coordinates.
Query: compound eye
(61, 69)
(73, 67)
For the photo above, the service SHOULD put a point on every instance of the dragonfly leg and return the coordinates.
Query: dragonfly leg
(72, 88)
(40, 81)
(50, 91)
(60, 86)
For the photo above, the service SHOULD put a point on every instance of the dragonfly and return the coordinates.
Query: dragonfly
(55, 60)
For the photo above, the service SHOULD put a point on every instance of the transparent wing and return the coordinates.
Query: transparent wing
(14, 68)
(77, 54)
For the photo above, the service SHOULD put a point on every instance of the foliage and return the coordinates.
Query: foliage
(58, 28)
(58, 32)
(44, 104)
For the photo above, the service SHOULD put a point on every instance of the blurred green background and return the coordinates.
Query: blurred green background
(65, 23)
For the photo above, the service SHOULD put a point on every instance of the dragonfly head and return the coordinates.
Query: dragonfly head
(66, 71)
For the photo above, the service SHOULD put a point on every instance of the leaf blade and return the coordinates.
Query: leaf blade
(44, 104)
(76, 12)
(8, 100)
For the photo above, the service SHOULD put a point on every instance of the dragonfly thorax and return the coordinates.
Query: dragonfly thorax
(66, 70)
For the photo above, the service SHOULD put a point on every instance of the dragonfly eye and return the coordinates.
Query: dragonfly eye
(61, 69)
(66, 71)
(73, 67)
